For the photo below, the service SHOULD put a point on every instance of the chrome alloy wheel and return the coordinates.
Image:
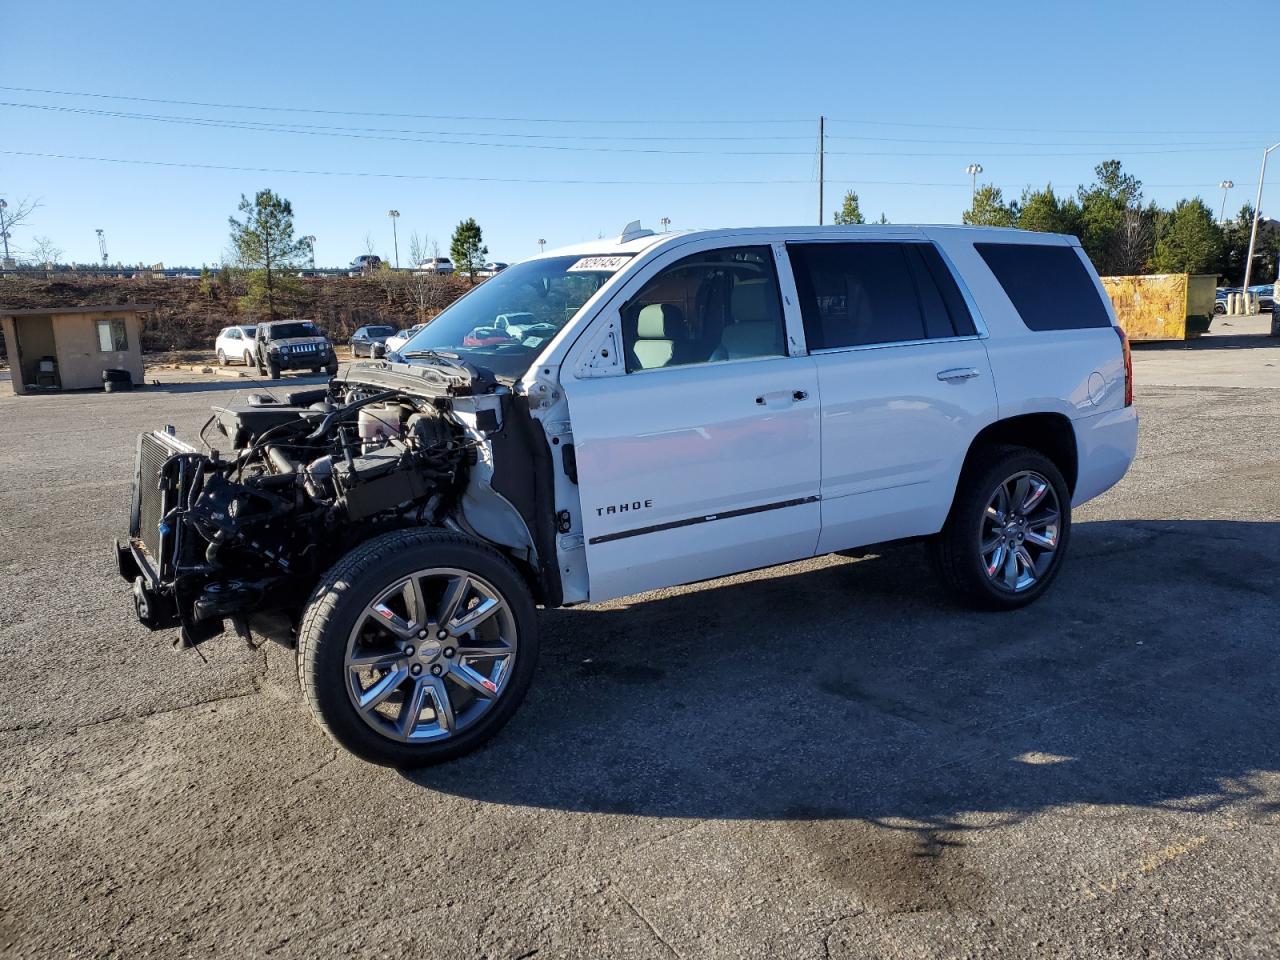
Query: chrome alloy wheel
(431, 654)
(1020, 531)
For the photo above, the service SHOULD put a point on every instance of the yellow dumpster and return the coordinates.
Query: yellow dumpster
(1163, 306)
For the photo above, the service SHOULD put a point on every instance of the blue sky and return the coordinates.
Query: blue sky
(915, 91)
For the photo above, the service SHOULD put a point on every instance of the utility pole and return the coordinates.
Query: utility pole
(102, 246)
(542, 244)
(1257, 215)
(4, 205)
(1225, 185)
(822, 151)
(395, 215)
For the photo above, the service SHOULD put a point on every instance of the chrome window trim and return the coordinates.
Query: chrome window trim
(894, 343)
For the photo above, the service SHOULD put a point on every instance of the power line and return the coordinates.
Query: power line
(331, 132)
(345, 133)
(465, 179)
(842, 181)
(966, 126)
(371, 113)
(606, 120)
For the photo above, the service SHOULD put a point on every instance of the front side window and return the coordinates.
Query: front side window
(112, 337)
(856, 294)
(708, 307)
(505, 322)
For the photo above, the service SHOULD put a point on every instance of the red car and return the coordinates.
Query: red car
(487, 337)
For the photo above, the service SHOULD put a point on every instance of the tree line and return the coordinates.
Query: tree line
(1122, 235)
(265, 247)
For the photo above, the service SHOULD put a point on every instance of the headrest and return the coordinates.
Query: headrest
(750, 301)
(661, 321)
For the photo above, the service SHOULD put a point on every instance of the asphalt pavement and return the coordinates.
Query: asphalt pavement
(826, 759)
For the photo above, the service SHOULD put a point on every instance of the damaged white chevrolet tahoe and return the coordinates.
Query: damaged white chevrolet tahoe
(633, 414)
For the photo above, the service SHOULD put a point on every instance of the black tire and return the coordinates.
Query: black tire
(222, 359)
(248, 360)
(332, 369)
(957, 551)
(273, 369)
(340, 599)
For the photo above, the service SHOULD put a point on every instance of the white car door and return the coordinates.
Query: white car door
(904, 379)
(698, 456)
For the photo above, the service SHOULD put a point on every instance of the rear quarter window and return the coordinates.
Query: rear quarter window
(1048, 285)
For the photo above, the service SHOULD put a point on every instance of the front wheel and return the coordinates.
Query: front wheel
(1008, 530)
(248, 359)
(222, 359)
(417, 647)
(273, 369)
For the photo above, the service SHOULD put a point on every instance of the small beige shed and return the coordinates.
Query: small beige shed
(67, 348)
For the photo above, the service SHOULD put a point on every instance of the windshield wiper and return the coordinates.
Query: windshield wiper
(452, 359)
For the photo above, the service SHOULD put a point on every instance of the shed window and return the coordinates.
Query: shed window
(111, 336)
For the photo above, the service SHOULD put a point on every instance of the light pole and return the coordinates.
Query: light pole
(311, 245)
(4, 205)
(1225, 185)
(102, 246)
(542, 245)
(666, 222)
(973, 170)
(395, 215)
(1257, 215)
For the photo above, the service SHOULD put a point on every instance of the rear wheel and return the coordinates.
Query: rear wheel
(417, 647)
(1008, 530)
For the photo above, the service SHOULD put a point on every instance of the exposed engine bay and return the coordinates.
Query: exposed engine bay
(288, 484)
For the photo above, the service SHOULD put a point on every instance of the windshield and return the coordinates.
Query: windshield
(507, 321)
(381, 331)
(250, 332)
(286, 331)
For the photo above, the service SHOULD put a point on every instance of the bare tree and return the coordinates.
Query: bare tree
(369, 246)
(419, 245)
(12, 215)
(1134, 242)
(429, 293)
(44, 251)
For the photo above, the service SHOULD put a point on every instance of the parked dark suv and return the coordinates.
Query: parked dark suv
(293, 345)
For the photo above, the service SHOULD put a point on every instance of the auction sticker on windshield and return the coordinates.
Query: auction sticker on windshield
(599, 264)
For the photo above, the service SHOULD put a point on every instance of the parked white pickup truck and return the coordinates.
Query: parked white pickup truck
(664, 409)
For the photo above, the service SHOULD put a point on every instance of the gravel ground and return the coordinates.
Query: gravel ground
(820, 760)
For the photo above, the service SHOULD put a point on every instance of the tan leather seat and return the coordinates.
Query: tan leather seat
(756, 330)
(661, 337)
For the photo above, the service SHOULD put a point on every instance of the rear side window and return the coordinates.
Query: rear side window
(854, 294)
(1048, 285)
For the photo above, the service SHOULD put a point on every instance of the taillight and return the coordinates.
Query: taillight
(1128, 366)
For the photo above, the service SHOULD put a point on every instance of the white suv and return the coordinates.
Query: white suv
(235, 344)
(622, 416)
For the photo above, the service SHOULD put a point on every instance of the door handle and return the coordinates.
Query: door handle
(956, 374)
(795, 396)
